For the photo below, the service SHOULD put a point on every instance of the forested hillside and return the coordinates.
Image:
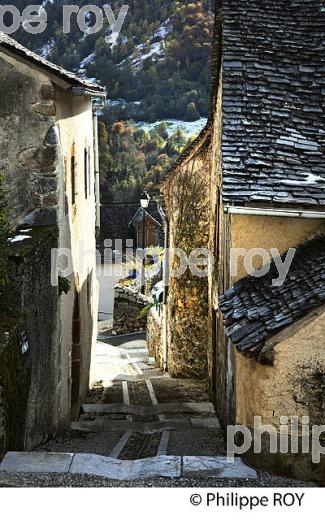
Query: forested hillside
(135, 158)
(159, 69)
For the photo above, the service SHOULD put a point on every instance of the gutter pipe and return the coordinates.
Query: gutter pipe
(273, 212)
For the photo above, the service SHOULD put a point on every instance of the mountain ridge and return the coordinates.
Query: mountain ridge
(157, 78)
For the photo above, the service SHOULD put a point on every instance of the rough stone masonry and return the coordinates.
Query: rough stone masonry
(128, 306)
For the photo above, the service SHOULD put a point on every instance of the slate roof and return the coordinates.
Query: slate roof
(255, 310)
(152, 213)
(12, 45)
(273, 141)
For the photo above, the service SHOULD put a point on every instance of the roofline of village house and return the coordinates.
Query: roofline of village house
(81, 91)
(148, 216)
(61, 76)
(274, 212)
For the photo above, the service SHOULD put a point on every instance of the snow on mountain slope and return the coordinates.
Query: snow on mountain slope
(154, 48)
(189, 128)
(46, 50)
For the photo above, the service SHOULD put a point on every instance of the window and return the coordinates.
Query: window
(89, 171)
(86, 168)
(73, 179)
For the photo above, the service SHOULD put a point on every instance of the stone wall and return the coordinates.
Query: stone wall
(187, 198)
(293, 387)
(220, 364)
(30, 363)
(32, 174)
(128, 306)
(154, 336)
(15, 381)
(40, 302)
(28, 143)
(42, 126)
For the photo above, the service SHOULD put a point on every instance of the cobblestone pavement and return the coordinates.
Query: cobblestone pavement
(134, 412)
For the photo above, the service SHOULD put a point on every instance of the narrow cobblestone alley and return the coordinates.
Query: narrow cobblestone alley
(137, 427)
(141, 412)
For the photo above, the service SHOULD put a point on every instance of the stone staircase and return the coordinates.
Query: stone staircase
(137, 423)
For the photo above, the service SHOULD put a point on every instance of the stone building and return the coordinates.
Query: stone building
(266, 351)
(49, 167)
(186, 195)
(147, 229)
(120, 221)
(187, 199)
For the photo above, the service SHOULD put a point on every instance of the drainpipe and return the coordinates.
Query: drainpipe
(166, 285)
(97, 182)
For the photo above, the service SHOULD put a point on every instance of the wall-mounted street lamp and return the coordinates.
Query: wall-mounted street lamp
(144, 200)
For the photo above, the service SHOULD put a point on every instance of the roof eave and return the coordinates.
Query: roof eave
(83, 91)
(64, 81)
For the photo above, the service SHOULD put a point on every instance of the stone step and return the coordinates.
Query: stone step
(157, 374)
(218, 467)
(113, 469)
(141, 410)
(34, 462)
(110, 468)
(99, 425)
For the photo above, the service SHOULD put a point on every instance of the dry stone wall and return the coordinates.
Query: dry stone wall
(187, 197)
(128, 306)
(154, 336)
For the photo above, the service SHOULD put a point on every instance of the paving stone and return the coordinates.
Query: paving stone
(88, 426)
(34, 462)
(148, 410)
(205, 422)
(126, 470)
(88, 464)
(136, 426)
(155, 373)
(164, 466)
(217, 467)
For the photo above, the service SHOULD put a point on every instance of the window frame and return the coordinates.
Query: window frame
(73, 171)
